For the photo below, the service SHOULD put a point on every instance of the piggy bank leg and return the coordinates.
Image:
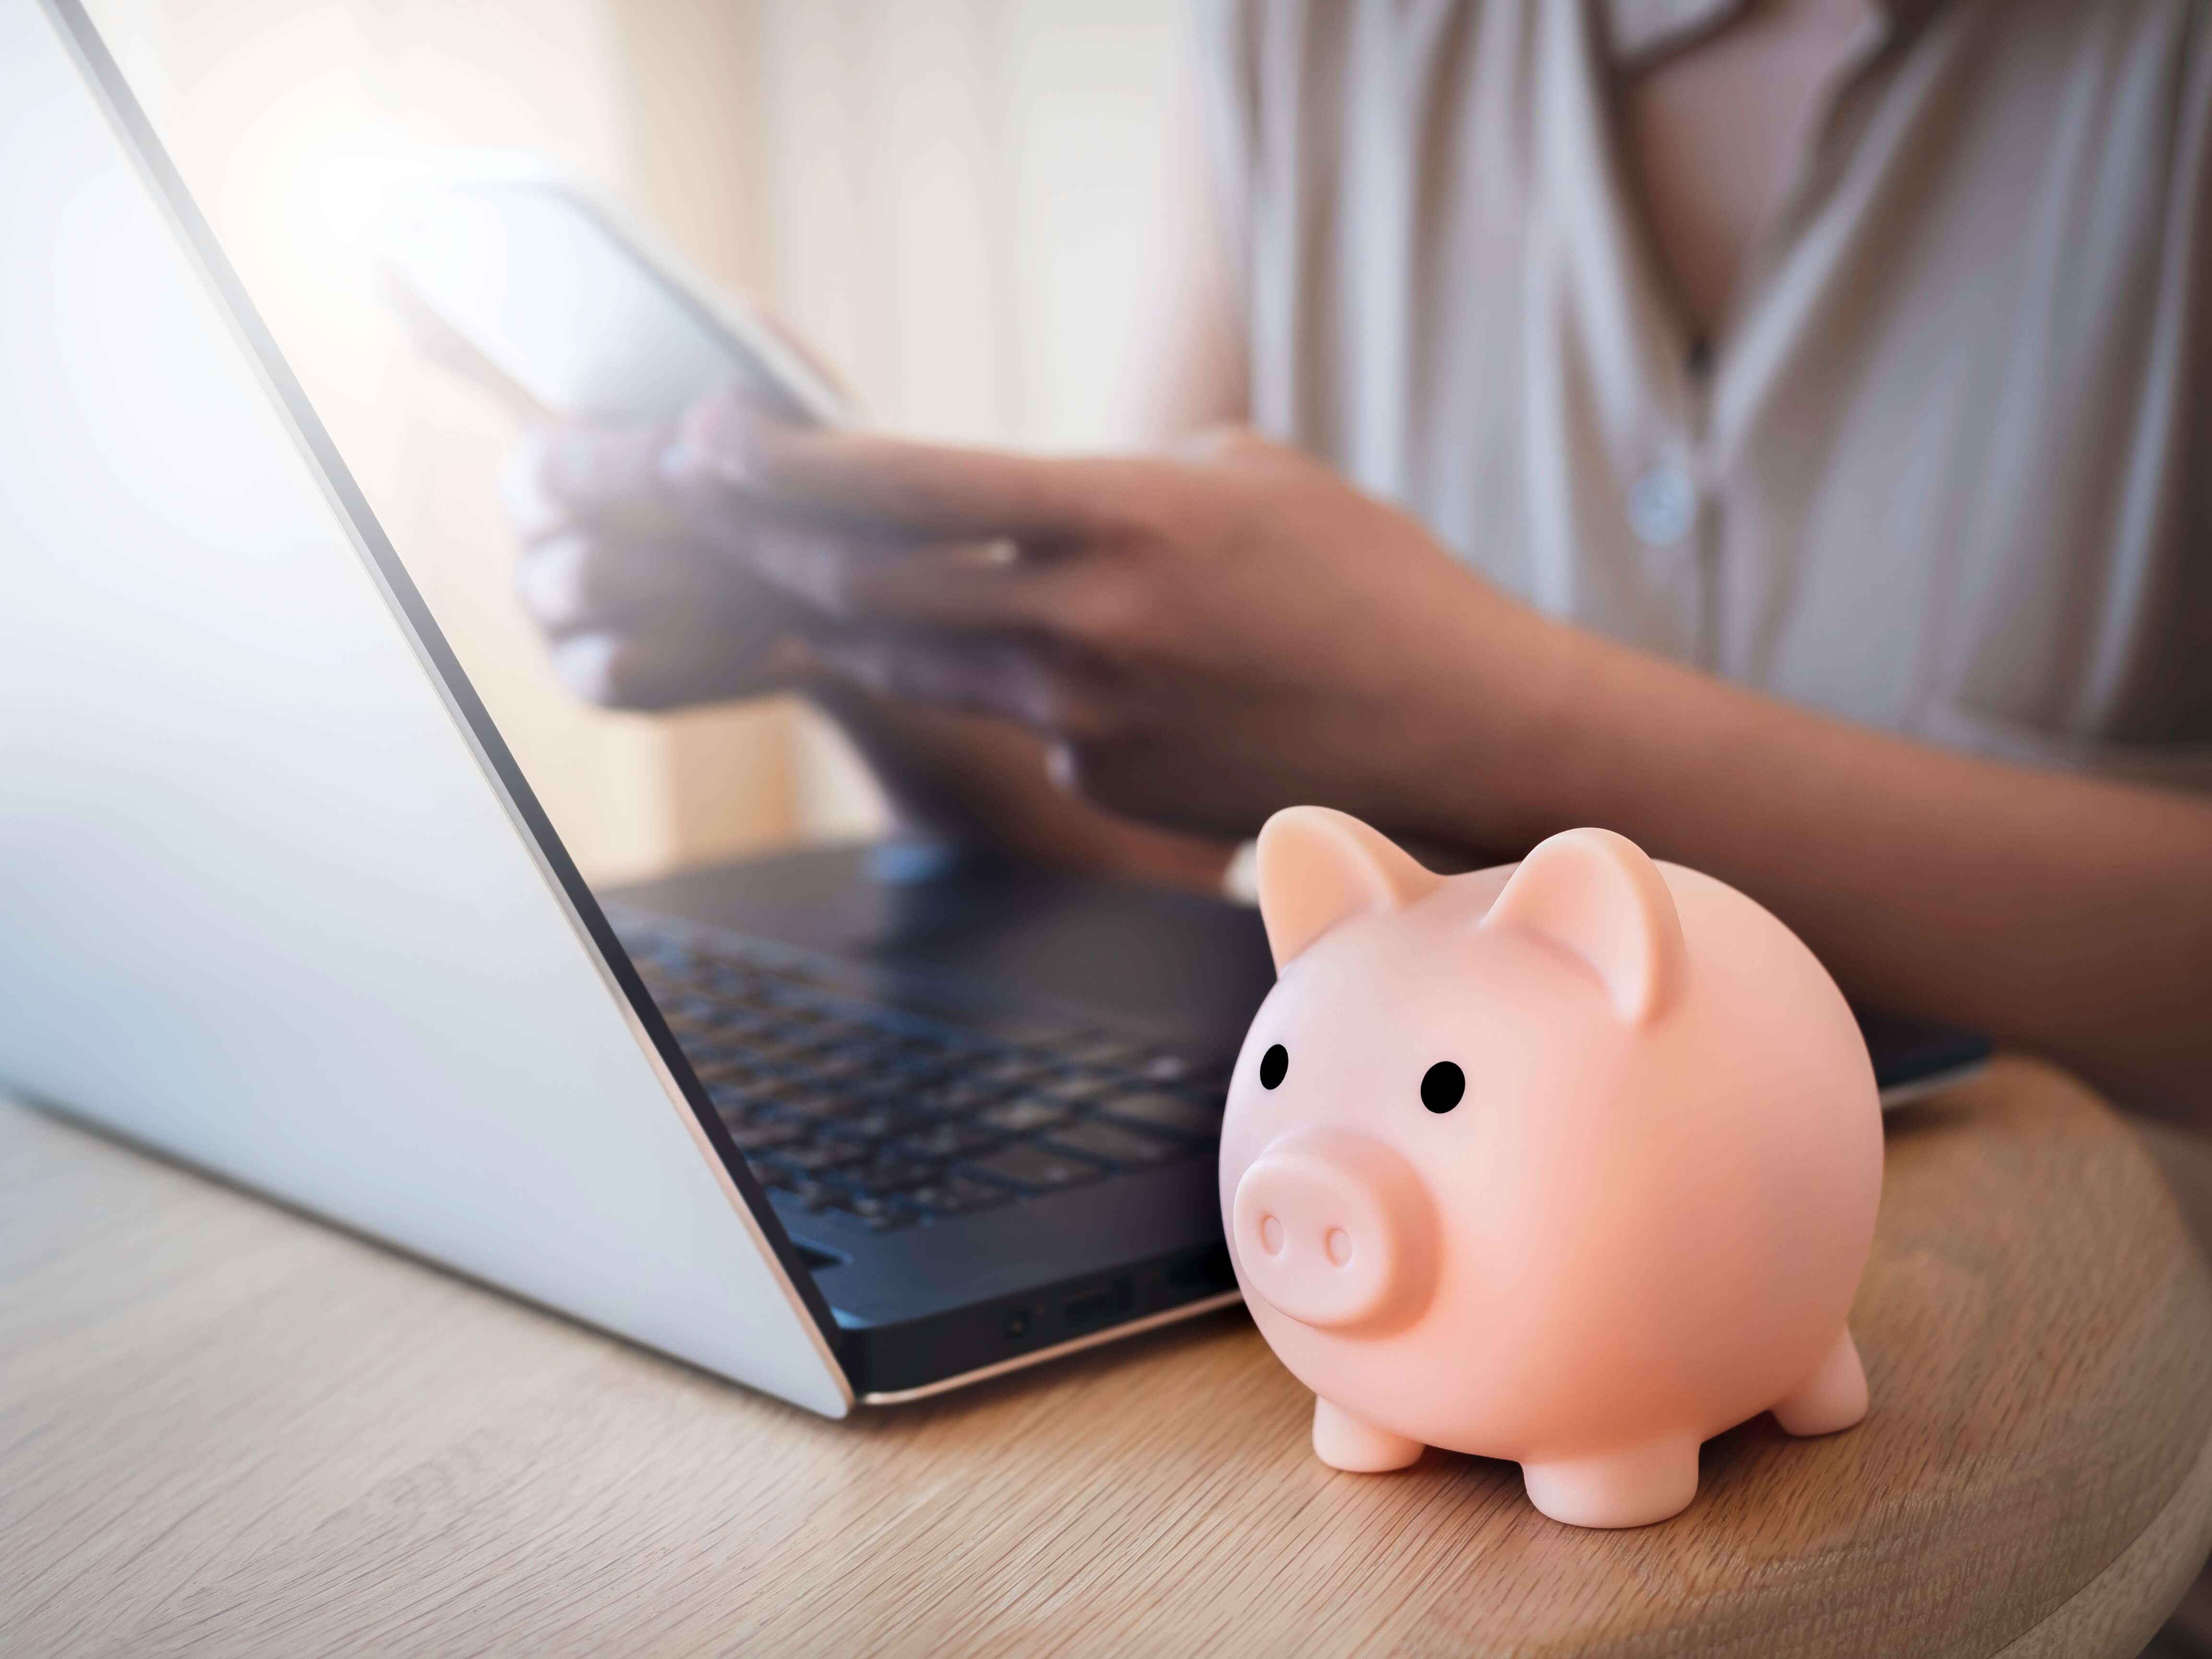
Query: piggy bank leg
(1343, 1442)
(1631, 1488)
(1834, 1397)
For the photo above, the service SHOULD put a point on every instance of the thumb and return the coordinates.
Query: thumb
(926, 491)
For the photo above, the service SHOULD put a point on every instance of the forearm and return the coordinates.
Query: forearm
(2067, 914)
(984, 783)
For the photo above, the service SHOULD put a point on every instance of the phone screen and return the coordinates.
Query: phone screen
(557, 300)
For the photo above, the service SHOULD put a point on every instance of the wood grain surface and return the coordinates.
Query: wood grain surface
(226, 1429)
(2122, 1607)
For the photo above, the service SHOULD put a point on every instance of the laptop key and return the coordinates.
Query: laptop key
(815, 1156)
(1077, 1086)
(807, 1105)
(1023, 1114)
(732, 1101)
(1098, 1049)
(878, 1215)
(813, 1195)
(874, 1123)
(891, 1174)
(725, 1070)
(1008, 1070)
(919, 1071)
(1114, 1145)
(1037, 1167)
(949, 1140)
(828, 1065)
(957, 1194)
(763, 1137)
(1176, 1114)
(956, 1097)
(1180, 1066)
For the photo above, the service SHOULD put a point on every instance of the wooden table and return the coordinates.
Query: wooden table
(223, 1428)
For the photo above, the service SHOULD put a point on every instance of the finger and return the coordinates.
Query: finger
(672, 667)
(922, 490)
(971, 584)
(975, 676)
(1003, 677)
(572, 582)
(624, 485)
(565, 474)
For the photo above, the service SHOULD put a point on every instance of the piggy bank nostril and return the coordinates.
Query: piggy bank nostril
(1339, 1245)
(1271, 1234)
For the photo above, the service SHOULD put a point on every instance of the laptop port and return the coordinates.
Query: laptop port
(1116, 1299)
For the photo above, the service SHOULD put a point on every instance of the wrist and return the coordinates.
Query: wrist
(1546, 716)
(1619, 738)
(1510, 712)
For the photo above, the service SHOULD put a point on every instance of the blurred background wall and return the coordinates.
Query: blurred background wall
(957, 203)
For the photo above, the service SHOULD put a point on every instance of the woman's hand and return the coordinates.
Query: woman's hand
(642, 579)
(1202, 640)
(642, 582)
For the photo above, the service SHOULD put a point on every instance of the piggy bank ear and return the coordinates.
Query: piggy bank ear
(1316, 868)
(1596, 894)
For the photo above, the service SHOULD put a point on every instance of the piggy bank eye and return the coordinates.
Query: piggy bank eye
(1442, 1085)
(1273, 1065)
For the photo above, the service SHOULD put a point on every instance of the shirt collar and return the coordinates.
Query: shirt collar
(1643, 29)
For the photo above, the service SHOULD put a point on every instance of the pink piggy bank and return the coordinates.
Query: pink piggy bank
(1573, 1162)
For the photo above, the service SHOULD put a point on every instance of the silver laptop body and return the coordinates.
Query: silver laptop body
(339, 954)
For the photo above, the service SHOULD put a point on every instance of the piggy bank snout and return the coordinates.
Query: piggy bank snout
(1334, 1229)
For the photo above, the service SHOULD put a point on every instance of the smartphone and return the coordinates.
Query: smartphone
(577, 304)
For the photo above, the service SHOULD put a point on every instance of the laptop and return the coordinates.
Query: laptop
(846, 1125)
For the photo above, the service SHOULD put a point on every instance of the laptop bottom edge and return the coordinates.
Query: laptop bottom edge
(1074, 1345)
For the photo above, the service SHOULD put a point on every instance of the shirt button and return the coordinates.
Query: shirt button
(1661, 506)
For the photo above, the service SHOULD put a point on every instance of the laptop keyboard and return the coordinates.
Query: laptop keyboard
(894, 1118)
